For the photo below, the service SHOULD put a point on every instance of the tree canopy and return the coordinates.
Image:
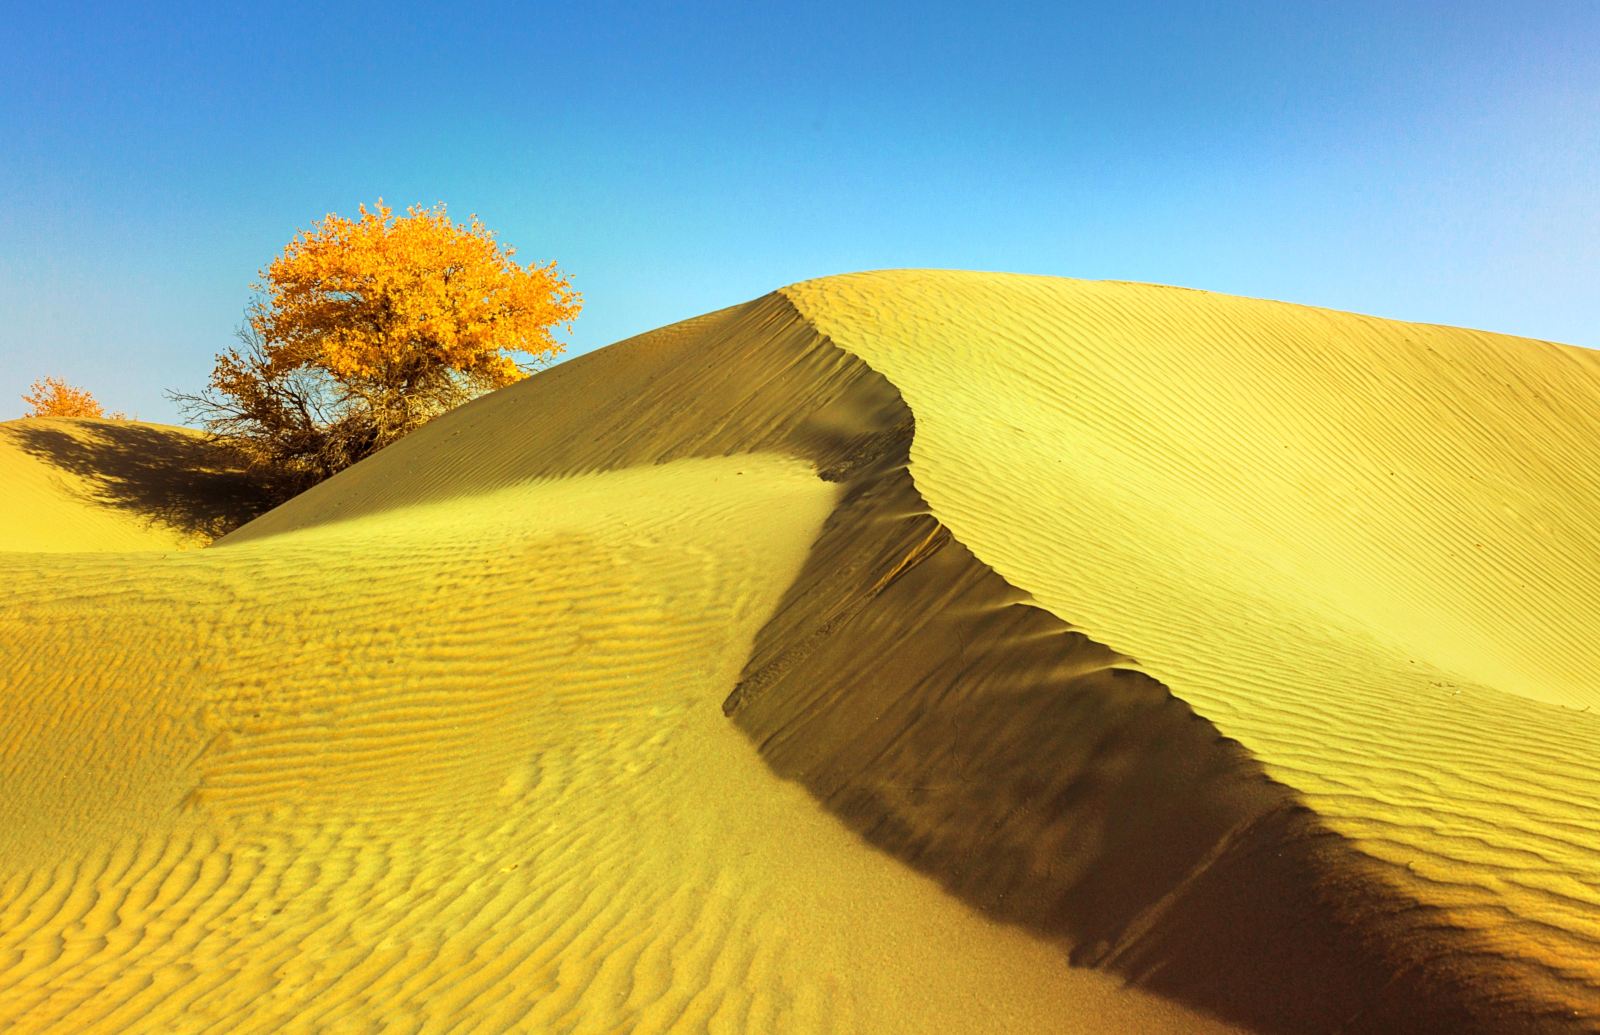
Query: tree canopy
(53, 397)
(363, 329)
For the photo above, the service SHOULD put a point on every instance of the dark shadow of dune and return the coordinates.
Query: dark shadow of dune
(1044, 780)
(162, 476)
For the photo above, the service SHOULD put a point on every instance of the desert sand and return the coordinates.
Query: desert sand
(909, 651)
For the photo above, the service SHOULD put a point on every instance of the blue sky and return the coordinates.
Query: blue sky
(1426, 161)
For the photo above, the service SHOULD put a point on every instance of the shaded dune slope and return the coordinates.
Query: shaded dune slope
(949, 716)
(1040, 777)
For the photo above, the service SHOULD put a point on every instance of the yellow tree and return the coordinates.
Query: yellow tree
(363, 329)
(53, 397)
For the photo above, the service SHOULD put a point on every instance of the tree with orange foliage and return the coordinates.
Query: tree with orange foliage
(53, 397)
(365, 329)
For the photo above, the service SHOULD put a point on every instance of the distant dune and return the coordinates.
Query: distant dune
(910, 651)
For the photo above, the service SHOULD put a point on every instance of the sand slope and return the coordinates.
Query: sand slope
(1232, 649)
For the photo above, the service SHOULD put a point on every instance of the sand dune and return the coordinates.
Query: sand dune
(896, 652)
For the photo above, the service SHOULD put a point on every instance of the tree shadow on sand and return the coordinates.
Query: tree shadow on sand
(184, 481)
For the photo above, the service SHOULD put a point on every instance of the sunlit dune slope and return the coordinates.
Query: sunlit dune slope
(80, 484)
(897, 652)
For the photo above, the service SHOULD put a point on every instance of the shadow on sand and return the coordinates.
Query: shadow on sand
(162, 476)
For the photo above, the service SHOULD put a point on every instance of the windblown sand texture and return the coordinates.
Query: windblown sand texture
(907, 651)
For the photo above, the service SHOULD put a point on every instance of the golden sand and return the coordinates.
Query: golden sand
(897, 652)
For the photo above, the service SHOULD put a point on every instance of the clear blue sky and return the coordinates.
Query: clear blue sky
(1428, 161)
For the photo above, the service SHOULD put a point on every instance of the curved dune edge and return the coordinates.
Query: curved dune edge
(1037, 775)
(1454, 842)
